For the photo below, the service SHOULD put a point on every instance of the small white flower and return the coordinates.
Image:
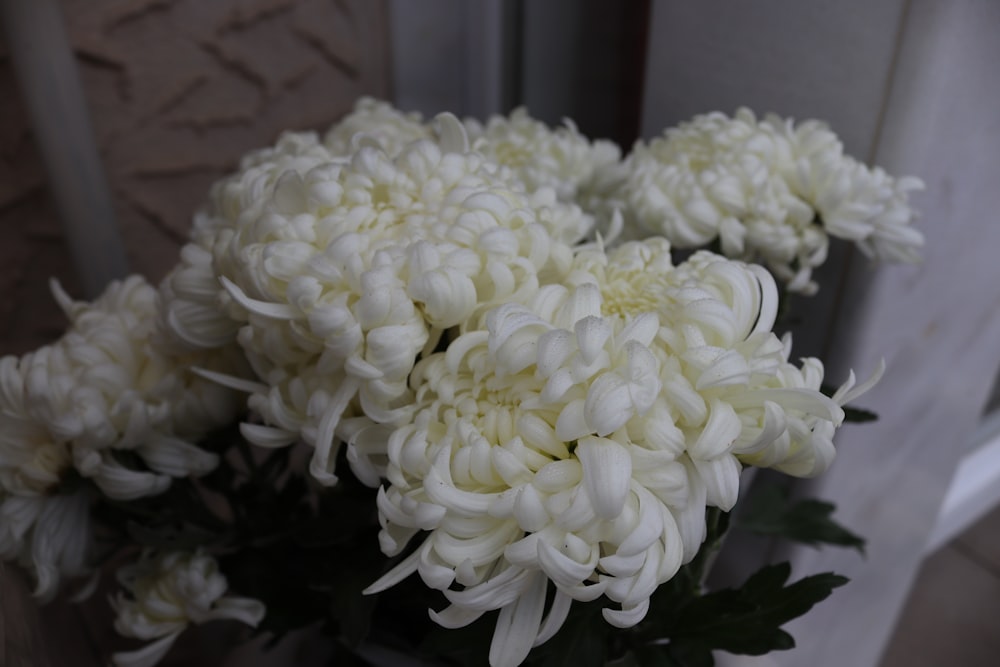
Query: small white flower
(166, 593)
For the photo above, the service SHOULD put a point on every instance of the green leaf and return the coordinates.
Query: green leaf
(663, 655)
(353, 610)
(468, 646)
(748, 620)
(281, 577)
(648, 656)
(716, 526)
(344, 656)
(771, 513)
(173, 537)
(582, 640)
(859, 415)
(687, 654)
(630, 659)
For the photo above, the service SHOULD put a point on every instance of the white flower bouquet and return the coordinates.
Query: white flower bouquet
(498, 357)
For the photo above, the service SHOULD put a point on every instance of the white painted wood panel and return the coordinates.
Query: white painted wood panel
(937, 325)
(827, 60)
(910, 86)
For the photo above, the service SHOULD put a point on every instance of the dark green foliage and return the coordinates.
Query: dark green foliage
(464, 647)
(772, 513)
(582, 640)
(859, 415)
(745, 620)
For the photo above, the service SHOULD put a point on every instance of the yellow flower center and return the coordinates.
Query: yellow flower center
(513, 155)
(633, 293)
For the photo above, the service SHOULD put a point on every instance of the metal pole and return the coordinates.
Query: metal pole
(50, 84)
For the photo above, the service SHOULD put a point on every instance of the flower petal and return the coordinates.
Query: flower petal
(556, 617)
(722, 480)
(720, 432)
(454, 616)
(518, 625)
(607, 473)
(628, 616)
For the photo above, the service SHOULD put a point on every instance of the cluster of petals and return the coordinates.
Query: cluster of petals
(333, 261)
(196, 313)
(164, 594)
(48, 535)
(376, 123)
(68, 409)
(578, 439)
(768, 190)
(543, 157)
(340, 275)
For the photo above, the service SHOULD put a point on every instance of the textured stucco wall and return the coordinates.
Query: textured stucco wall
(178, 90)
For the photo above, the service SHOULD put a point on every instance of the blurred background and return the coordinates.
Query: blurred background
(117, 115)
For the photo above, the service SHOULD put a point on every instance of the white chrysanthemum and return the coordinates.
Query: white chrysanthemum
(346, 272)
(579, 439)
(104, 387)
(99, 388)
(768, 190)
(196, 310)
(166, 593)
(717, 177)
(376, 123)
